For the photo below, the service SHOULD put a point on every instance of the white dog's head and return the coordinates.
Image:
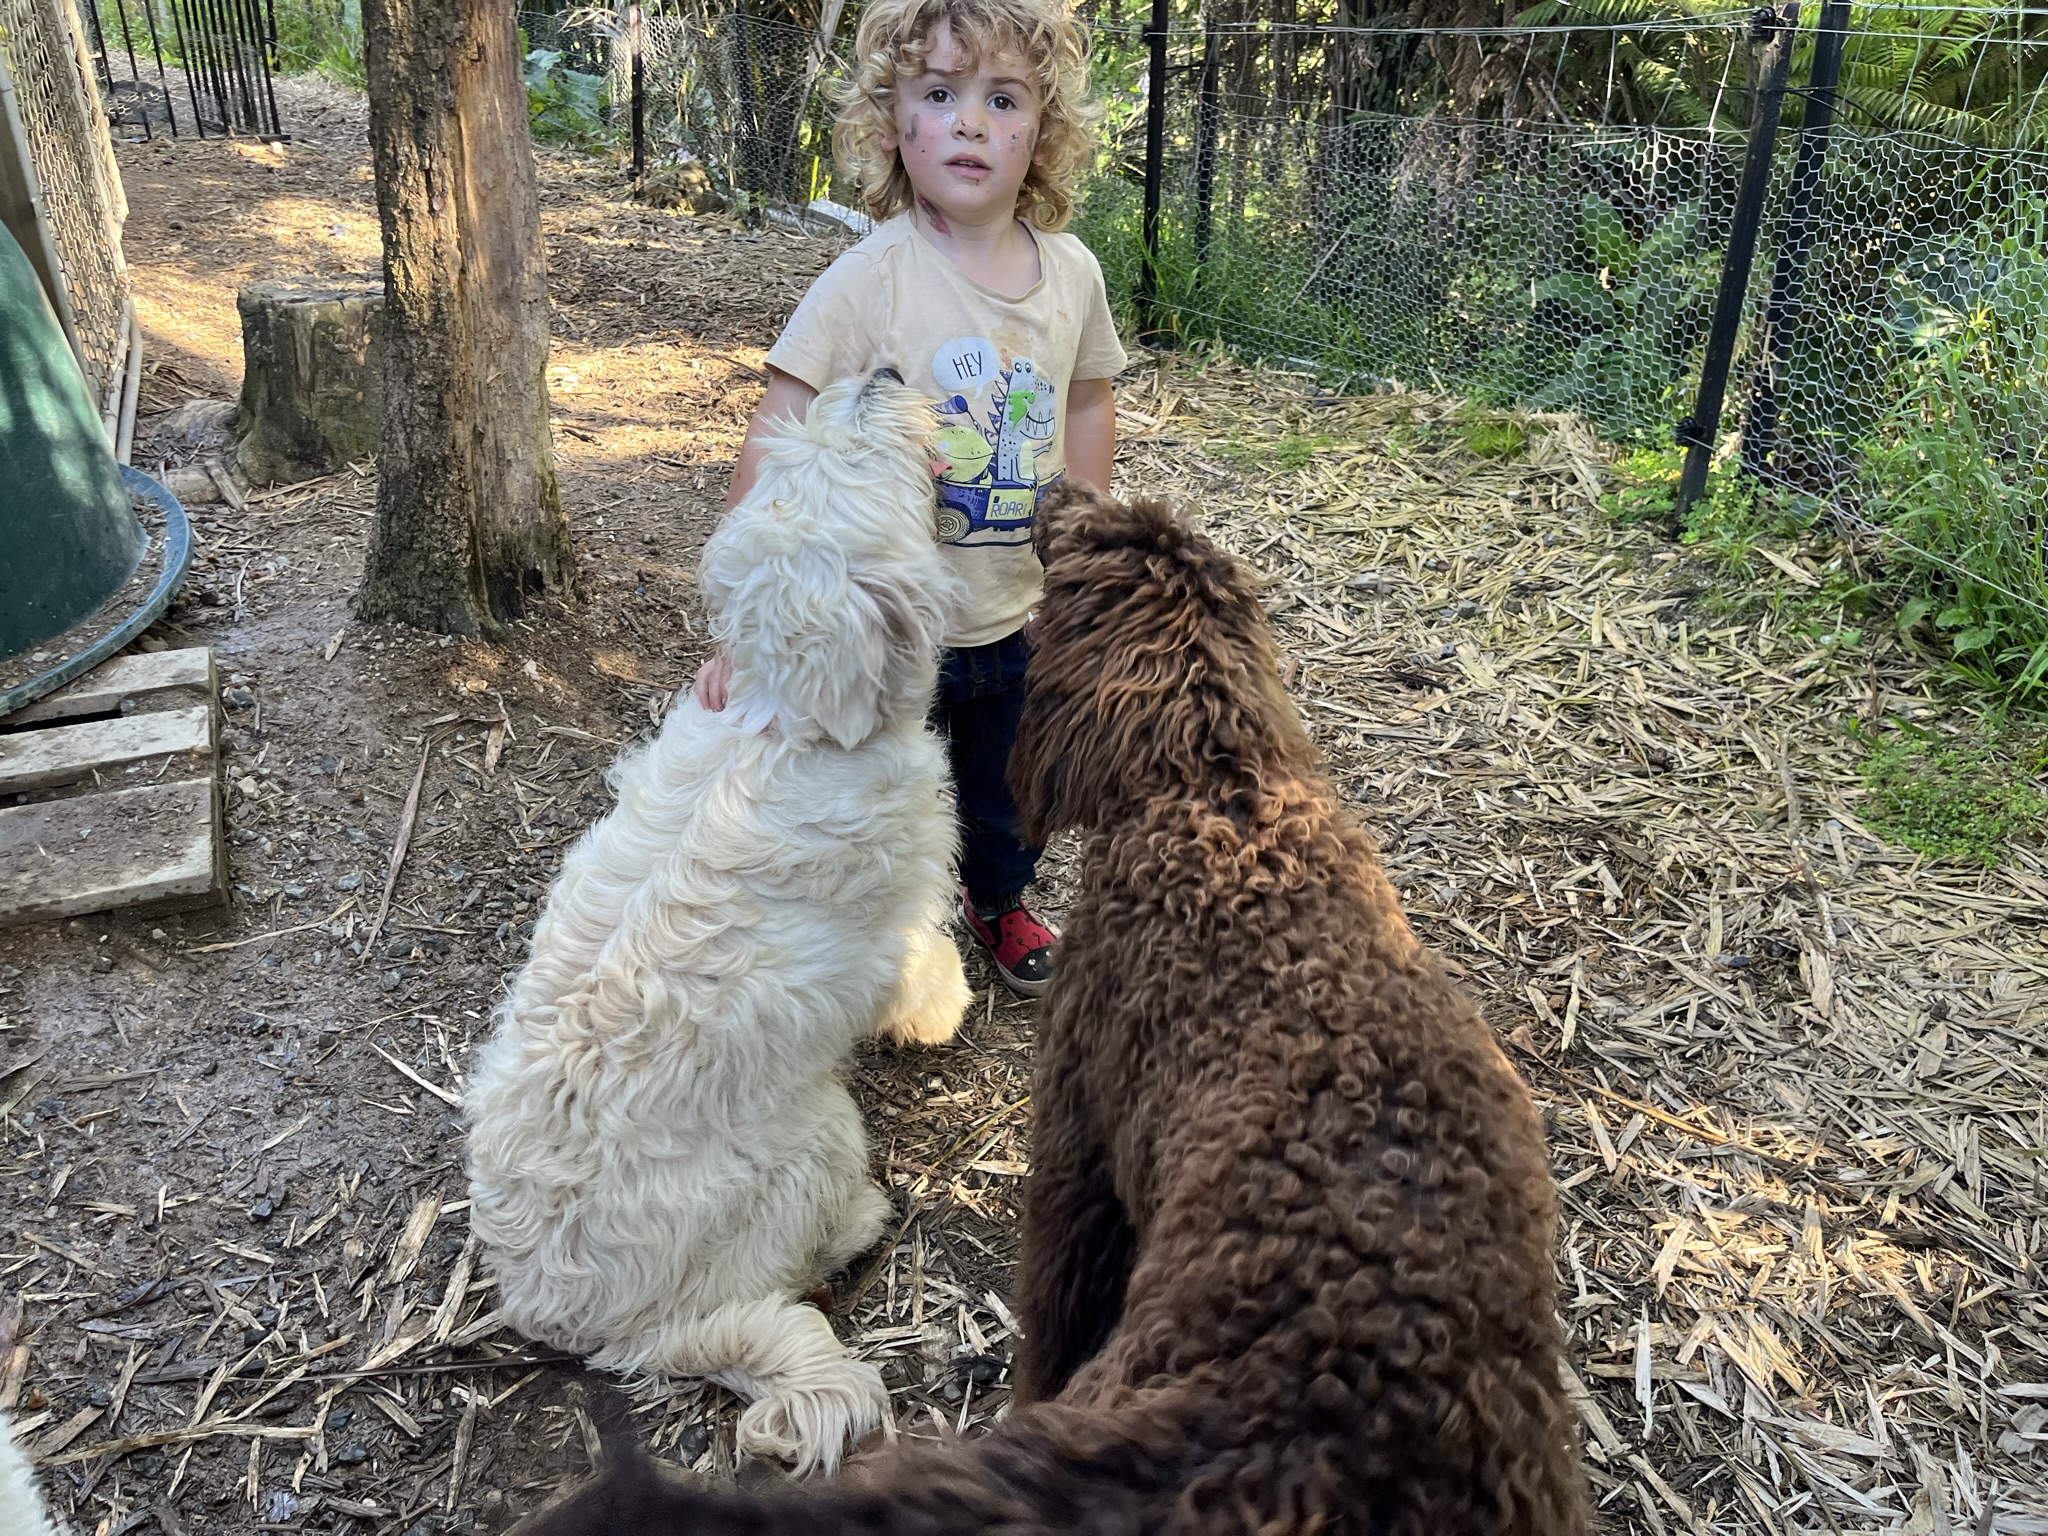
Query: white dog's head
(825, 585)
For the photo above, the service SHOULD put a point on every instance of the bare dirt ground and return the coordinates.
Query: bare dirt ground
(1794, 1077)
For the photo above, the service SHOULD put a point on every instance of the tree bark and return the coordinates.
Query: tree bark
(469, 517)
(312, 376)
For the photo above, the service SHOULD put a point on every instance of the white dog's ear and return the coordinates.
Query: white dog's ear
(864, 665)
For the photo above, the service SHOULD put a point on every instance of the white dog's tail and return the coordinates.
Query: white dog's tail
(808, 1398)
(22, 1510)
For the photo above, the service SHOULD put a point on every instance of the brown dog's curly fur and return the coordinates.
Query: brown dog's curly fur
(1287, 1234)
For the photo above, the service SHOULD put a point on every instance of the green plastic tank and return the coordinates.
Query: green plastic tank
(68, 537)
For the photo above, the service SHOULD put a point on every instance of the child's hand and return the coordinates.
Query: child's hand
(713, 679)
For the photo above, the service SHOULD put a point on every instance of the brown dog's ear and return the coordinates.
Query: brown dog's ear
(1063, 500)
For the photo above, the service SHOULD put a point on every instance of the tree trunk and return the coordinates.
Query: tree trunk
(469, 518)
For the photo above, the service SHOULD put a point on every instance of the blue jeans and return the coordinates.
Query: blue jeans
(979, 699)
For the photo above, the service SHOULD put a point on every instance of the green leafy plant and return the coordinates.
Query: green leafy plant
(1285, 455)
(1490, 435)
(563, 104)
(1635, 305)
(1957, 471)
(1961, 798)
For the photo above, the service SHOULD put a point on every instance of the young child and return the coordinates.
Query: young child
(967, 125)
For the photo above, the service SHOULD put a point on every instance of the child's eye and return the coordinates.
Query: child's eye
(1003, 103)
(938, 95)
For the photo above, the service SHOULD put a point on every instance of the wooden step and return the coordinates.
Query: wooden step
(114, 790)
(156, 845)
(124, 686)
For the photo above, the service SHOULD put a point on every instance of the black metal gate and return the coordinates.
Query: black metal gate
(179, 66)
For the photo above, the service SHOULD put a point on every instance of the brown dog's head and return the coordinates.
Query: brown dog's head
(1153, 672)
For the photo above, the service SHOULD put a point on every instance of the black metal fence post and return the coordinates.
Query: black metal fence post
(1149, 329)
(1795, 241)
(634, 46)
(1698, 431)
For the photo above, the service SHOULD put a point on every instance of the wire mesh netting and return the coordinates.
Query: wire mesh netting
(1538, 215)
(747, 95)
(82, 206)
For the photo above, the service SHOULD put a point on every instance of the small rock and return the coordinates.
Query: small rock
(103, 963)
(281, 1507)
(262, 1210)
(339, 1417)
(200, 423)
(238, 698)
(456, 870)
(148, 1464)
(248, 786)
(985, 1370)
(349, 881)
(354, 1454)
(1467, 610)
(295, 892)
(99, 1397)
(356, 835)
(1447, 650)
(693, 1442)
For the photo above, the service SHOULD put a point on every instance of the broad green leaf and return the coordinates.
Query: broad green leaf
(1579, 292)
(1669, 243)
(1974, 640)
(1606, 237)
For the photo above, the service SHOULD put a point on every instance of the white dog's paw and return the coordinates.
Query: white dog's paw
(811, 1422)
(932, 995)
(861, 1224)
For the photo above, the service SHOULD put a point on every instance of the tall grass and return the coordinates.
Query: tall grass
(1957, 471)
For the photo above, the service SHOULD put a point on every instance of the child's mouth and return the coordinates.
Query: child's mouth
(967, 165)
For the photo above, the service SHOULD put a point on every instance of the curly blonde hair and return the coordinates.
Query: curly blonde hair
(895, 38)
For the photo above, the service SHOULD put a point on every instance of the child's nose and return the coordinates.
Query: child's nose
(969, 122)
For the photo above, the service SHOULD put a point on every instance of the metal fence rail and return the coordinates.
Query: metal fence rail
(203, 67)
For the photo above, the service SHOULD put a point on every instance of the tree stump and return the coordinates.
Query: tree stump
(312, 376)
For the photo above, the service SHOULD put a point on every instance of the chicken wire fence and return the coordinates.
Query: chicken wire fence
(63, 161)
(747, 96)
(1461, 222)
(1540, 216)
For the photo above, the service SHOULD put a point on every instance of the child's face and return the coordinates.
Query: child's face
(966, 129)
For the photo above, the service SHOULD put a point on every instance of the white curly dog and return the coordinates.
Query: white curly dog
(662, 1155)
(22, 1512)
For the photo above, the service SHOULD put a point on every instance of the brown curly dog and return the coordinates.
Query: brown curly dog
(1287, 1259)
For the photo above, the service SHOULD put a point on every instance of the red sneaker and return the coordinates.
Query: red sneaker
(1016, 940)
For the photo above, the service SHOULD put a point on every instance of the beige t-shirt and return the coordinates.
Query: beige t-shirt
(997, 370)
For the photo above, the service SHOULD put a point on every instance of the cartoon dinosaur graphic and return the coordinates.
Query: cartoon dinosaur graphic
(1028, 415)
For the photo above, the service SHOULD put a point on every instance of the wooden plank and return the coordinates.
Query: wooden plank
(155, 844)
(60, 754)
(146, 680)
